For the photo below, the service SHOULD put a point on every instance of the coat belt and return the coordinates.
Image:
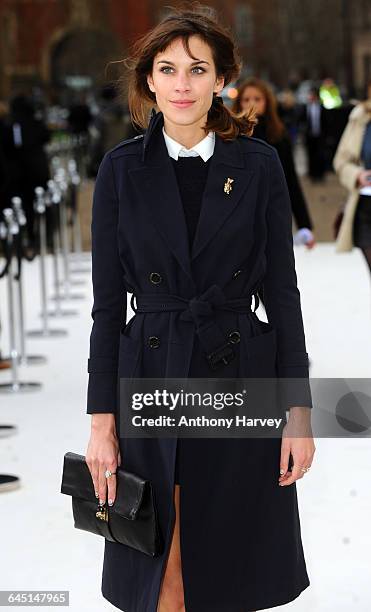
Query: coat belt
(201, 311)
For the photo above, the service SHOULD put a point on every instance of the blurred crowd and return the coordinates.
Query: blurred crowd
(31, 129)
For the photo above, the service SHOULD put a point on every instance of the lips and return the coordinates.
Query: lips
(182, 103)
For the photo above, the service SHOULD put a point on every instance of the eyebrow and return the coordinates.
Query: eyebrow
(192, 63)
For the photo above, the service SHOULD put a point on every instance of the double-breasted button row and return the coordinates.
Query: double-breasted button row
(153, 341)
(155, 278)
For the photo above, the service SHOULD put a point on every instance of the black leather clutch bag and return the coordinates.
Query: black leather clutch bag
(132, 520)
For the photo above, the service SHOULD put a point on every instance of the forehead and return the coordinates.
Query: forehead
(176, 50)
(253, 91)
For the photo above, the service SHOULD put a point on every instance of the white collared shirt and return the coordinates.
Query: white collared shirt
(204, 148)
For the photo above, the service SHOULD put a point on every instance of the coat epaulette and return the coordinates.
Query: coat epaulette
(267, 148)
(127, 141)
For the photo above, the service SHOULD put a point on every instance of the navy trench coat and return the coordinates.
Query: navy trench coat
(240, 532)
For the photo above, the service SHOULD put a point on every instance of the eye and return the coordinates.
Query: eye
(170, 68)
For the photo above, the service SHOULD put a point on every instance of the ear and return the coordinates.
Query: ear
(219, 84)
(150, 83)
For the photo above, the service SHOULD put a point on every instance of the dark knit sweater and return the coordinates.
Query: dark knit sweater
(191, 173)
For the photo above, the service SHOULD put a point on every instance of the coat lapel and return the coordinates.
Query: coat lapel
(226, 163)
(156, 185)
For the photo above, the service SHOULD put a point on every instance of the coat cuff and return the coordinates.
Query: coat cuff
(293, 364)
(102, 392)
(102, 386)
(293, 374)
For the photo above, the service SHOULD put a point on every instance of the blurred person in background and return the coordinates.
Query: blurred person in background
(315, 136)
(329, 94)
(79, 119)
(256, 92)
(111, 125)
(24, 142)
(79, 116)
(352, 163)
(289, 112)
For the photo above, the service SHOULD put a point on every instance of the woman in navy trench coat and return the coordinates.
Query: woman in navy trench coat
(240, 536)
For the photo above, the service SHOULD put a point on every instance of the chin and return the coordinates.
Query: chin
(182, 117)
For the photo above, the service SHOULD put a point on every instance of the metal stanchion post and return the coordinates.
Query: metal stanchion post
(76, 255)
(45, 332)
(23, 357)
(52, 199)
(12, 228)
(62, 184)
(69, 202)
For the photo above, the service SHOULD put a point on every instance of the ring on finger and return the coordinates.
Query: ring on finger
(108, 473)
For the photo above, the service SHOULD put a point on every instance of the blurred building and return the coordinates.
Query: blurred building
(66, 44)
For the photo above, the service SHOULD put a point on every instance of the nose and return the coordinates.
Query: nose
(182, 82)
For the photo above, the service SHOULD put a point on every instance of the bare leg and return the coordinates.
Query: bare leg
(172, 595)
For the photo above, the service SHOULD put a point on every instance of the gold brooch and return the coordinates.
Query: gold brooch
(228, 185)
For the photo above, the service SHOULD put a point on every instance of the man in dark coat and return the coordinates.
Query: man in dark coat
(24, 143)
(315, 136)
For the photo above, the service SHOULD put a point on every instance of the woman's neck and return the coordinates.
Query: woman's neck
(187, 135)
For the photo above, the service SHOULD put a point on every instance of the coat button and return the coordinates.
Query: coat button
(155, 278)
(234, 337)
(236, 273)
(154, 341)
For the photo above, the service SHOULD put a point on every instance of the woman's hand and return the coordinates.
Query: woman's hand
(103, 454)
(311, 242)
(297, 439)
(362, 178)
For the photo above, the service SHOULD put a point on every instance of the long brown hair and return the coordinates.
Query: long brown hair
(183, 23)
(275, 126)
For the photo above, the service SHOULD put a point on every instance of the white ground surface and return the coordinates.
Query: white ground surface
(40, 549)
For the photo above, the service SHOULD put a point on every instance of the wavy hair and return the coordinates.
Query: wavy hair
(183, 23)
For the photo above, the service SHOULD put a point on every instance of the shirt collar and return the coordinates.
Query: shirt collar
(204, 148)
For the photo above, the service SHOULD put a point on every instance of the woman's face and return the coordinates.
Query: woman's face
(183, 86)
(253, 95)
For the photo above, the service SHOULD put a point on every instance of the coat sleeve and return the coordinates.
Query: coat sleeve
(346, 167)
(109, 293)
(298, 201)
(281, 294)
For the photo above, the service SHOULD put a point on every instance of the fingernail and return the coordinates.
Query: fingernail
(110, 502)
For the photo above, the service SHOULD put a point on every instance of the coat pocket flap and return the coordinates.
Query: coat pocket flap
(77, 481)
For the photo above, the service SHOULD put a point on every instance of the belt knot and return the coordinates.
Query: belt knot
(204, 305)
